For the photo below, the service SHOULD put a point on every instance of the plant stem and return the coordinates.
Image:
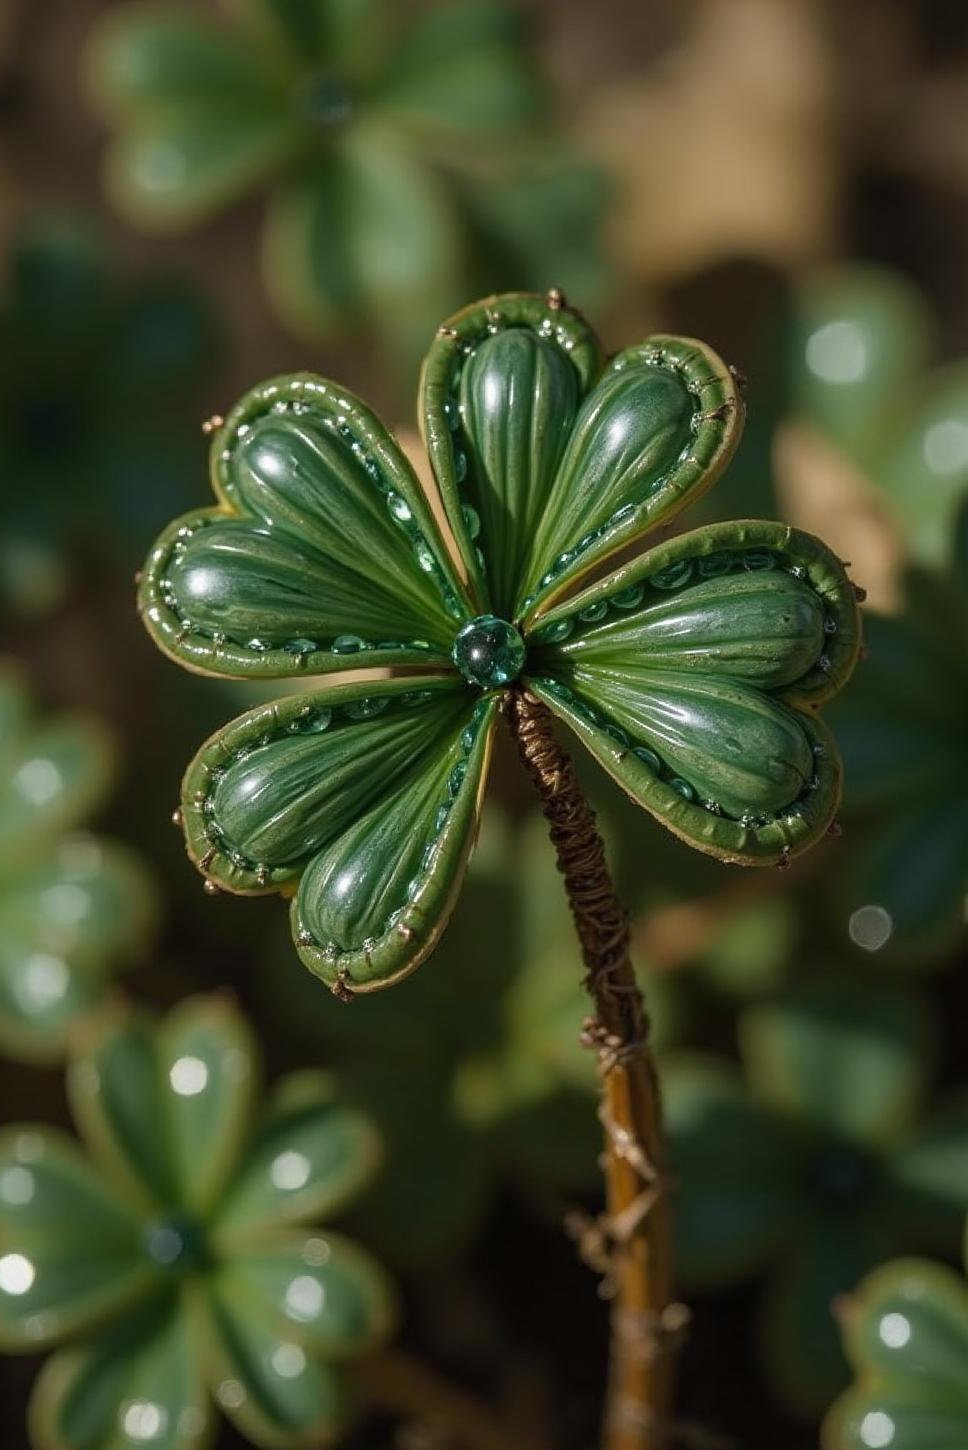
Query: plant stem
(409, 1388)
(631, 1243)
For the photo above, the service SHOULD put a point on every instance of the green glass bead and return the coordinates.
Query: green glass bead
(488, 651)
(176, 1244)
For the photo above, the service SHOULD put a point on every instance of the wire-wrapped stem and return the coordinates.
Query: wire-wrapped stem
(630, 1244)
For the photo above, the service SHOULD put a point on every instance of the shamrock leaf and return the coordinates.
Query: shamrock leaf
(73, 907)
(176, 1258)
(693, 673)
(906, 1336)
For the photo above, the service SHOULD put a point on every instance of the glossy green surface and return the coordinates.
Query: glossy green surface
(692, 673)
(806, 1169)
(906, 1335)
(323, 548)
(174, 1257)
(73, 908)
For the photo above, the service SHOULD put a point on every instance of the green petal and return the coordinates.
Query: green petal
(323, 555)
(310, 1157)
(461, 70)
(345, 34)
(372, 904)
(861, 337)
(149, 57)
(932, 1170)
(908, 1417)
(69, 1252)
(773, 753)
(653, 435)
(165, 1106)
(840, 1055)
(564, 347)
(169, 172)
(334, 1296)
(51, 777)
(517, 399)
(64, 927)
(735, 1162)
(319, 773)
(799, 1343)
(368, 233)
(269, 1386)
(139, 1383)
(737, 601)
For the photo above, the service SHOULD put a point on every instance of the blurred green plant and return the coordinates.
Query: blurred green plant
(407, 155)
(813, 1164)
(861, 342)
(502, 1076)
(73, 907)
(903, 730)
(176, 1257)
(98, 424)
(906, 1337)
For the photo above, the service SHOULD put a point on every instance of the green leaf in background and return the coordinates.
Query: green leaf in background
(73, 907)
(903, 730)
(370, 128)
(174, 1258)
(98, 422)
(859, 350)
(693, 673)
(819, 1165)
(906, 1336)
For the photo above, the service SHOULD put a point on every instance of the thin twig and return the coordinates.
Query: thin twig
(409, 1388)
(631, 1243)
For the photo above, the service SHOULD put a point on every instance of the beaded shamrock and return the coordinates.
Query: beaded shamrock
(73, 907)
(177, 1258)
(906, 1335)
(692, 674)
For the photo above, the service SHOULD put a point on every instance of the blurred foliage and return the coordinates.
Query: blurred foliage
(903, 729)
(815, 1165)
(175, 1256)
(73, 907)
(859, 353)
(906, 1336)
(407, 156)
(98, 429)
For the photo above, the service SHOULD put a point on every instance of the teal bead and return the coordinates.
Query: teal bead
(488, 651)
(176, 1244)
(673, 577)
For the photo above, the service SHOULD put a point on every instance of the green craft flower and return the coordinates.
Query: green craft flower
(903, 729)
(367, 124)
(906, 1336)
(73, 907)
(98, 420)
(859, 372)
(816, 1167)
(176, 1258)
(692, 674)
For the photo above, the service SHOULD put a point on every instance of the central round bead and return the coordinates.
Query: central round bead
(488, 651)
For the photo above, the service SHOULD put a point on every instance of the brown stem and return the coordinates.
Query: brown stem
(631, 1243)
(409, 1388)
